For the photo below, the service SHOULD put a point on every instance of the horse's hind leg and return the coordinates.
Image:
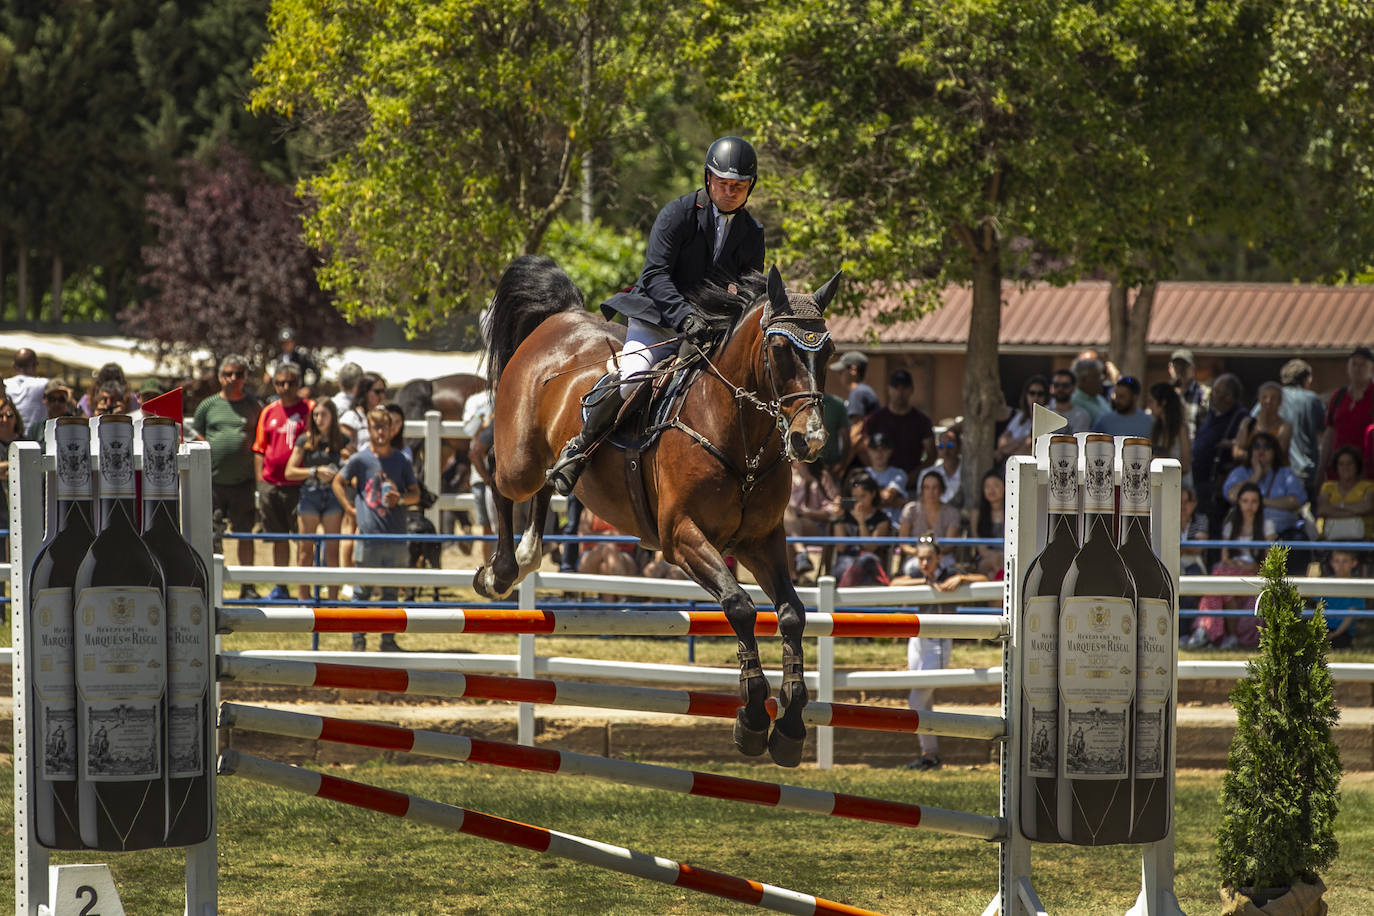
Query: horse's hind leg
(690, 549)
(768, 563)
(530, 552)
(498, 577)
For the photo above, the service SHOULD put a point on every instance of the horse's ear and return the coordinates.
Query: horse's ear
(777, 293)
(827, 292)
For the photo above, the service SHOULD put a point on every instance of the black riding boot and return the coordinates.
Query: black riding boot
(601, 417)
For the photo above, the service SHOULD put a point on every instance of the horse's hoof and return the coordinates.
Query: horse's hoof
(481, 582)
(786, 751)
(750, 741)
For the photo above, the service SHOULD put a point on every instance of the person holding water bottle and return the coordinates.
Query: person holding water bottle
(384, 483)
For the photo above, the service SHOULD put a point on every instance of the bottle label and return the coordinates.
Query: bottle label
(121, 677)
(1135, 480)
(1040, 681)
(1154, 684)
(1099, 489)
(1063, 478)
(160, 461)
(54, 680)
(116, 461)
(1097, 658)
(73, 462)
(188, 680)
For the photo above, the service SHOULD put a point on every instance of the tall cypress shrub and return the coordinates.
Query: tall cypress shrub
(1280, 796)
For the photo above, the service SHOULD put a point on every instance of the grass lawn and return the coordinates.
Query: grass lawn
(285, 853)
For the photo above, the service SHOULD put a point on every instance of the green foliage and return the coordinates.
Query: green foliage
(452, 132)
(599, 260)
(1280, 797)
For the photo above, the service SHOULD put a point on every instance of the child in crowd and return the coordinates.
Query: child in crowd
(924, 653)
(1340, 631)
(384, 481)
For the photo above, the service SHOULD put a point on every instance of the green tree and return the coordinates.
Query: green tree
(452, 133)
(916, 139)
(96, 99)
(1281, 792)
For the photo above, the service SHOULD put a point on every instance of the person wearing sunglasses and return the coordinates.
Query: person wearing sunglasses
(1125, 418)
(1016, 438)
(57, 402)
(228, 422)
(1063, 384)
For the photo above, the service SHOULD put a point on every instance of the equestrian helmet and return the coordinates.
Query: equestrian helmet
(733, 158)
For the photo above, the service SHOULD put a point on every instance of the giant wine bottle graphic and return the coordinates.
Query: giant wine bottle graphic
(1097, 659)
(1040, 645)
(52, 661)
(189, 647)
(121, 673)
(1155, 649)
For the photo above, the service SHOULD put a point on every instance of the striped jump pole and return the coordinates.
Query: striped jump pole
(565, 693)
(567, 763)
(514, 833)
(594, 622)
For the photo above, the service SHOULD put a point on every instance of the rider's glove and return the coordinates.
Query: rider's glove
(693, 332)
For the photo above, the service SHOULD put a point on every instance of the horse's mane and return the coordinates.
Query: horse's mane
(724, 308)
(531, 289)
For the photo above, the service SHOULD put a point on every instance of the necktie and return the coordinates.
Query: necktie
(722, 230)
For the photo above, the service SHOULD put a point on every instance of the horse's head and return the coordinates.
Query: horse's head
(796, 350)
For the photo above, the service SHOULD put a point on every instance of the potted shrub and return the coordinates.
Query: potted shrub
(1280, 794)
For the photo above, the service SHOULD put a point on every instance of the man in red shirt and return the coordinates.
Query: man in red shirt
(279, 424)
(1350, 413)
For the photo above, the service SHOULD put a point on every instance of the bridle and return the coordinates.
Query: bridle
(805, 330)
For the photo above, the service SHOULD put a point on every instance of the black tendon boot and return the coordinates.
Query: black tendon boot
(604, 405)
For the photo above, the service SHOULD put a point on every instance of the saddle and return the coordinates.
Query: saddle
(652, 409)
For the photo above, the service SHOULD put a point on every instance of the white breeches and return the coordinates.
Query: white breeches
(926, 654)
(644, 346)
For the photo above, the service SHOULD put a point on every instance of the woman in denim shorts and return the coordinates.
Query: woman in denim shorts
(316, 458)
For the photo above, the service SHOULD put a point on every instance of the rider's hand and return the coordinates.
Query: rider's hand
(693, 331)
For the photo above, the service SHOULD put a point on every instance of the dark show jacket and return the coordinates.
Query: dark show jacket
(679, 259)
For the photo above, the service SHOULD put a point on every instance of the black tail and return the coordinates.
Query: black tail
(531, 289)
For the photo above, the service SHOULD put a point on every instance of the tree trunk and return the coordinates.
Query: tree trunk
(56, 313)
(983, 399)
(1130, 325)
(21, 300)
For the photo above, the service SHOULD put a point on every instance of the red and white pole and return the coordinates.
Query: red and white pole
(514, 833)
(567, 763)
(565, 693)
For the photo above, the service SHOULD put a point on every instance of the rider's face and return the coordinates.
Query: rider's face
(726, 193)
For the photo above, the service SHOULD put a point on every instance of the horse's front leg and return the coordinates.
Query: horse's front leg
(690, 549)
(768, 562)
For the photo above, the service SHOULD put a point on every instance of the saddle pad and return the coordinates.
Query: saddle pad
(630, 434)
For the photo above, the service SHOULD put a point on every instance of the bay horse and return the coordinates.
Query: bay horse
(715, 481)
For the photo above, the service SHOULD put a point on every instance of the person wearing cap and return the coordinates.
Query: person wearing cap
(1126, 418)
(910, 431)
(1350, 413)
(1193, 392)
(891, 480)
(292, 352)
(57, 402)
(703, 236)
(860, 400)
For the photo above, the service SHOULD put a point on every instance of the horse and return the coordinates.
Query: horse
(447, 394)
(715, 481)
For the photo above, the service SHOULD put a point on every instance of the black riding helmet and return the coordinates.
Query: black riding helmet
(733, 158)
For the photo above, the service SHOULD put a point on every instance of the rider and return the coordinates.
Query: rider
(704, 235)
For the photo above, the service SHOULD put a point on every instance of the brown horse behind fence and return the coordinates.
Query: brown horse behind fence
(716, 480)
